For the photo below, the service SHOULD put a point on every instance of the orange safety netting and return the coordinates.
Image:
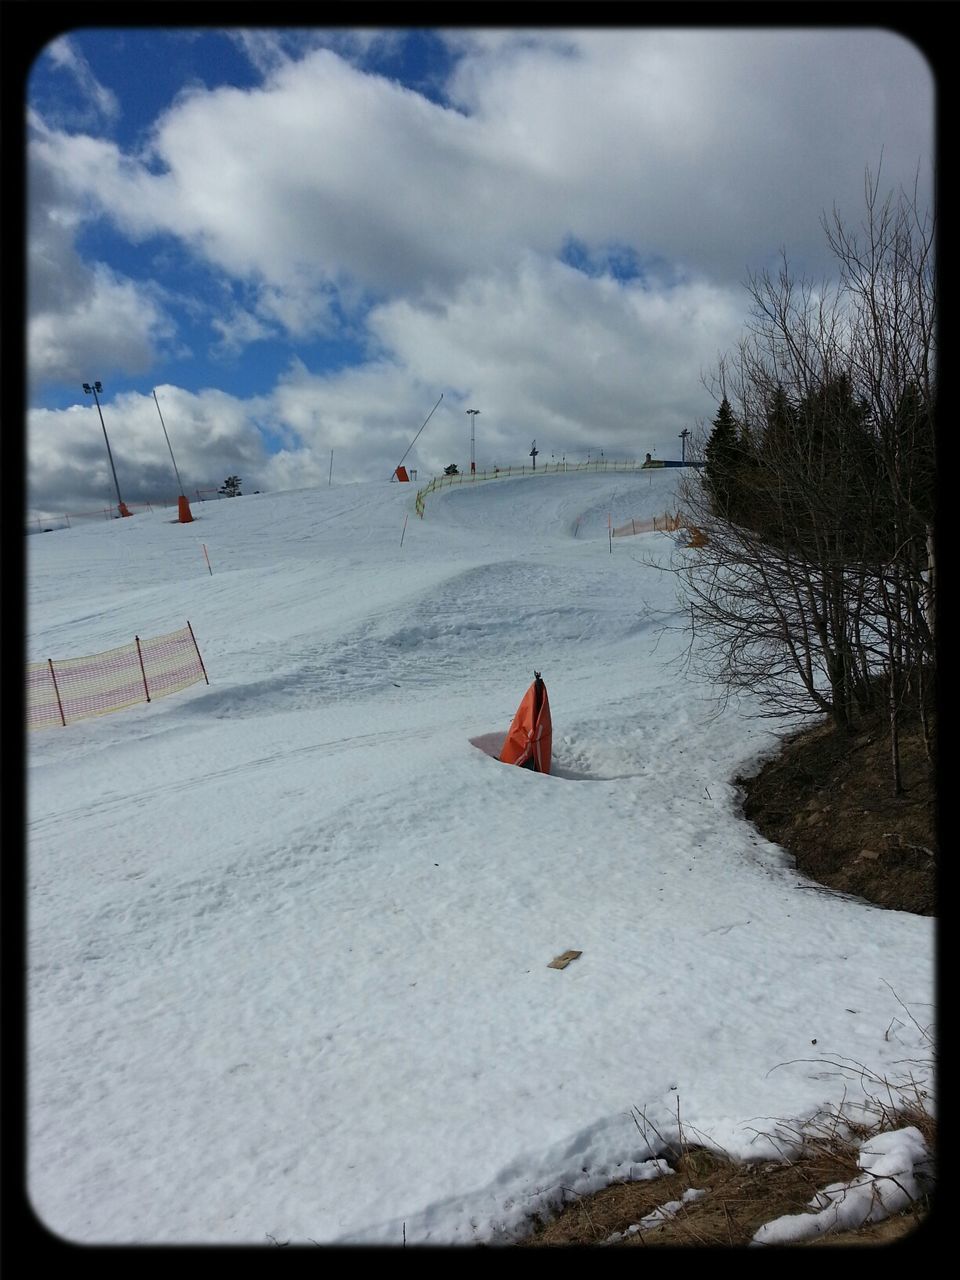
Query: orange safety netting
(68, 689)
(663, 524)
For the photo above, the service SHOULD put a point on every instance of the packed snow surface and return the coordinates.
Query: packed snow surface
(289, 933)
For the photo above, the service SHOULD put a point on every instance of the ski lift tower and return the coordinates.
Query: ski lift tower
(533, 454)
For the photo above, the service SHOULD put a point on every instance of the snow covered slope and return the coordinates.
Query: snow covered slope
(289, 933)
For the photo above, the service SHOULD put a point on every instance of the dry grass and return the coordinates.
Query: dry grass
(735, 1198)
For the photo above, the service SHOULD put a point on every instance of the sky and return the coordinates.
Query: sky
(289, 932)
(278, 250)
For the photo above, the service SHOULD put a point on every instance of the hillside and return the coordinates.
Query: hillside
(290, 931)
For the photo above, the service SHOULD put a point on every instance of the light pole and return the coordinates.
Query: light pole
(473, 426)
(92, 390)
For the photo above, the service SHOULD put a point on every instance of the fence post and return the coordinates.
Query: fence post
(143, 672)
(197, 647)
(56, 690)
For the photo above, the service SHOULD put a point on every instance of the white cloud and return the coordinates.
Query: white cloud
(80, 310)
(64, 54)
(212, 435)
(239, 330)
(268, 51)
(367, 413)
(328, 192)
(100, 314)
(301, 309)
(710, 148)
(546, 350)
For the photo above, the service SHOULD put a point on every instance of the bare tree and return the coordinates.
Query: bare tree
(814, 589)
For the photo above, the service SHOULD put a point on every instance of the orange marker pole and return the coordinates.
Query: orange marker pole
(403, 530)
(206, 557)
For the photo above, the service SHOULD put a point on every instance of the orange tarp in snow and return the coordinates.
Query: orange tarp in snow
(530, 738)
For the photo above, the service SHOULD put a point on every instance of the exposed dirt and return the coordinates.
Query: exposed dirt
(827, 799)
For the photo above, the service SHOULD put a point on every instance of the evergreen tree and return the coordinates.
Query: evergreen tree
(231, 487)
(724, 461)
(781, 422)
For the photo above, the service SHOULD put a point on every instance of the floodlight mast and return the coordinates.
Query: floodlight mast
(473, 424)
(92, 390)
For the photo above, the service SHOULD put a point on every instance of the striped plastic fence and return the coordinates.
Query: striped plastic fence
(70, 689)
(666, 523)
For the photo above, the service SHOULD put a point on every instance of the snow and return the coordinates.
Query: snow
(895, 1164)
(289, 934)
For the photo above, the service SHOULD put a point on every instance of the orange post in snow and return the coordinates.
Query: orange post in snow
(185, 515)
